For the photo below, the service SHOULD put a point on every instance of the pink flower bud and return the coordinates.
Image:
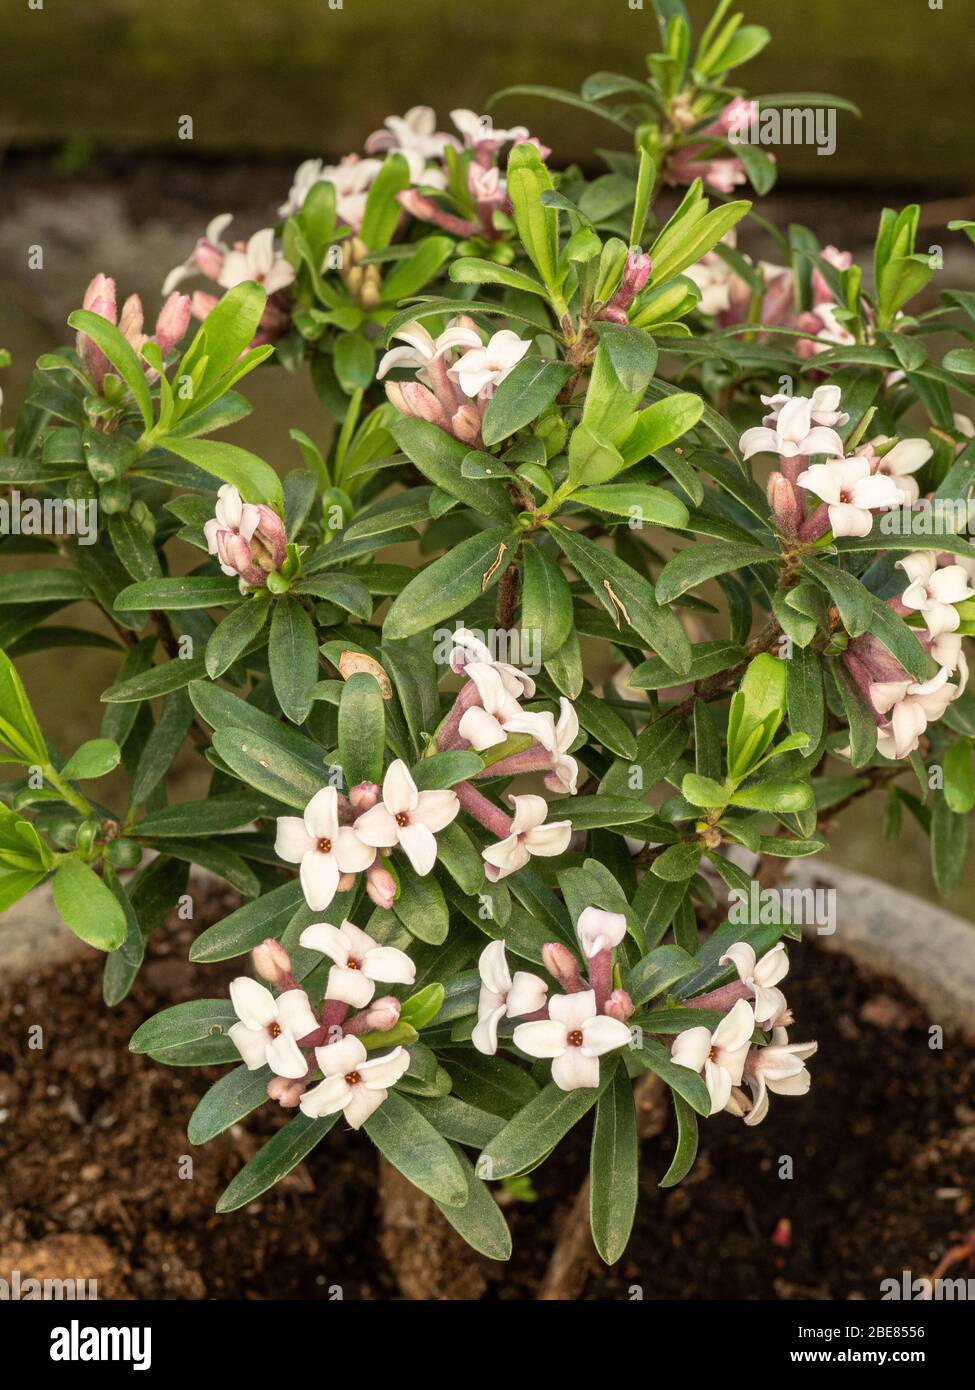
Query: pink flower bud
(287, 1093)
(270, 541)
(131, 321)
(465, 424)
(562, 965)
(173, 321)
(423, 404)
(234, 552)
(99, 299)
(208, 258)
(380, 884)
(785, 504)
(619, 1005)
(100, 291)
(381, 1015)
(364, 796)
(271, 961)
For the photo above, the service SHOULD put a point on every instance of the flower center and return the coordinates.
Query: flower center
(352, 1078)
(845, 496)
(575, 1038)
(324, 846)
(402, 819)
(352, 964)
(275, 1030)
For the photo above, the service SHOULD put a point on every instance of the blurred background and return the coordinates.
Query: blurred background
(93, 169)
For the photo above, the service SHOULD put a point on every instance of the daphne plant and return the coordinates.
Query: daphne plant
(679, 573)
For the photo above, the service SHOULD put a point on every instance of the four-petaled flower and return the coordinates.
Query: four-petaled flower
(488, 366)
(324, 849)
(824, 407)
(269, 1028)
(359, 962)
(487, 724)
(794, 435)
(851, 493)
(574, 1036)
(719, 1055)
(555, 738)
(529, 836)
(761, 976)
(780, 1067)
(469, 648)
(933, 592)
(503, 996)
(422, 349)
(352, 1083)
(905, 458)
(408, 817)
(911, 706)
(599, 931)
(259, 261)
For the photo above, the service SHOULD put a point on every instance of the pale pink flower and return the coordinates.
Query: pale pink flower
(574, 1036)
(503, 996)
(933, 592)
(359, 962)
(258, 261)
(488, 366)
(599, 930)
(794, 435)
(529, 836)
(268, 1031)
(780, 1068)
(851, 493)
(352, 1083)
(761, 976)
(824, 407)
(556, 738)
(911, 706)
(408, 818)
(324, 849)
(720, 1055)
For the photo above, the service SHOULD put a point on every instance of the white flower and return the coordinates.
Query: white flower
(932, 592)
(555, 738)
(833, 333)
(599, 931)
(905, 458)
(415, 133)
(713, 277)
(503, 996)
(761, 976)
(468, 647)
(269, 1028)
(780, 1067)
(913, 706)
(946, 649)
(720, 1055)
(794, 434)
(574, 1036)
(359, 962)
(351, 179)
(488, 366)
(851, 492)
(478, 130)
(824, 407)
(212, 244)
(352, 1084)
(423, 349)
(232, 514)
(529, 835)
(324, 849)
(485, 725)
(260, 262)
(408, 818)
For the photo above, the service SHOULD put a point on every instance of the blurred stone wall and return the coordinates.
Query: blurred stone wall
(299, 76)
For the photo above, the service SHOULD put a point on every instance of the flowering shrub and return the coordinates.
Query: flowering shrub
(482, 806)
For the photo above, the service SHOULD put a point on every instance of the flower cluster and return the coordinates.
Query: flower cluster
(726, 1056)
(248, 539)
(100, 299)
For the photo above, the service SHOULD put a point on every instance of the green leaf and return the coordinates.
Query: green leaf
(686, 1151)
(155, 682)
(382, 212)
(659, 425)
(251, 924)
(267, 767)
(235, 633)
(593, 812)
(96, 758)
(959, 773)
(255, 480)
(537, 1128)
(707, 659)
(421, 907)
(120, 353)
(699, 563)
(783, 797)
(411, 1144)
(222, 339)
(854, 603)
(446, 769)
(657, 971)
(949, 845)
(44, 586)
(657, 749)
(678, 862)
(451, 583)
(361, 730)
(213, 816)
(192, 591)
(87, 906)
(439, 458)
(860, 719)
(479, 1220)
(804, 694)
(183, 1023)
(614, 1169)
(627, 595)
(546, 601)
(522, 396)
(228, 1101)
(641, 503)
(538, 226)
(293, 656)
(469, 270)
(279, 1155)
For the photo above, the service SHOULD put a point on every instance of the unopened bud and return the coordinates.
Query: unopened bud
(286, 1092)
(173, 321)
(381, 1015)
(380, 884)
(465, 424)
(619, 1005)
(784, 501)
(562, 965)
(364, 796)
(271, 961)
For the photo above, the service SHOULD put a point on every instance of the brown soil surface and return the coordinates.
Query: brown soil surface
(92, 1139)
